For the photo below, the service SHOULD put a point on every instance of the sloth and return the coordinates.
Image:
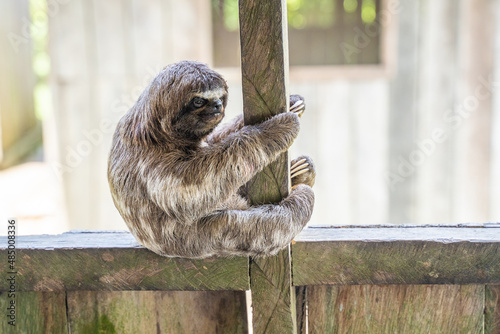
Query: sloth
(177, 177)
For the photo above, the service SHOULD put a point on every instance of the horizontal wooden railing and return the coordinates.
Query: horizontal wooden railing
(372, 257)
(92, 260)
(464, 254)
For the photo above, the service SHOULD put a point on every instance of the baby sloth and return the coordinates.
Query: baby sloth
(177, 179)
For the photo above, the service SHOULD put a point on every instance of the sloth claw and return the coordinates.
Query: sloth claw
(302, 171)
(298, 108)
(299, 169)
(297, 163)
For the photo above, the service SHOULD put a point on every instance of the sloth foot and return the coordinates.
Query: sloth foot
(297, 105)
(302, 171)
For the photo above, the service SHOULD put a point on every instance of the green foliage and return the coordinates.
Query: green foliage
(231, 18)
(368, 11)
(310, 13)
(302, 13)
(41, 60)
(350, 6)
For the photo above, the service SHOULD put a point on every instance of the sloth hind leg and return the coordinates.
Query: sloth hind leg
(260, 230)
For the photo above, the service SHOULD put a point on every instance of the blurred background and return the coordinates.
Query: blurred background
(403, 102)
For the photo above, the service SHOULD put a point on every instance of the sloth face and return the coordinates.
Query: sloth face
(201, 114)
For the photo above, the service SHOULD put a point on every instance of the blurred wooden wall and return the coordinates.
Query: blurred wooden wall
(441, 110)
(366, 127)
(20, 131)
(103, 55)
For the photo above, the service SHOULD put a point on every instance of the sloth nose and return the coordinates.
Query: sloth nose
(218, 105)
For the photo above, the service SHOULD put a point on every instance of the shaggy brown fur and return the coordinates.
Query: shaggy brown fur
(175, 177)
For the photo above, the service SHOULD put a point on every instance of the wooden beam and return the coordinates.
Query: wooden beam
(492, 309)
(264, 64)
(35, 312)
(397, 255)
(351, 255)
(415, 309)
(172, 312)
(114, 261)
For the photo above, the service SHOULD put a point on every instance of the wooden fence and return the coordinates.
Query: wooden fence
(370, 279)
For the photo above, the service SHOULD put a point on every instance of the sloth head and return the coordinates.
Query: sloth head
(203, 111)
(182, 104)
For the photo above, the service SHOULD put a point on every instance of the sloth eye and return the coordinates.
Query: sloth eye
(198, 102)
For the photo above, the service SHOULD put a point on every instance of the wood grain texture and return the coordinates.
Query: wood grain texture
(301, 307)
(264, 63)
(264, 66)
(492, 309)
(377, 256)
(411, 262)
(157, 312)
(416, 309)
(114, 261)
(273, 297)
(445, 233)
(36, 312)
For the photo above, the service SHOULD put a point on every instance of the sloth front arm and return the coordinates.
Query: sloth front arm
(223, 130)
(197, 186)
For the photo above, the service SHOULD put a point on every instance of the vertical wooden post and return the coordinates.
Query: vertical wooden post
(264, 63)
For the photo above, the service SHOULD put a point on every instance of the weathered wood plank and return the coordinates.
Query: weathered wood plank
(397, 256)
(114, 261)
(36, 312)
(415, 309)
(264, 65)
(273, 297)
(486, 232)
(492, 309)
(157, 312)
(301, 304)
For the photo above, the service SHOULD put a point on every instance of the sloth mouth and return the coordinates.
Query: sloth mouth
(212, 114)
